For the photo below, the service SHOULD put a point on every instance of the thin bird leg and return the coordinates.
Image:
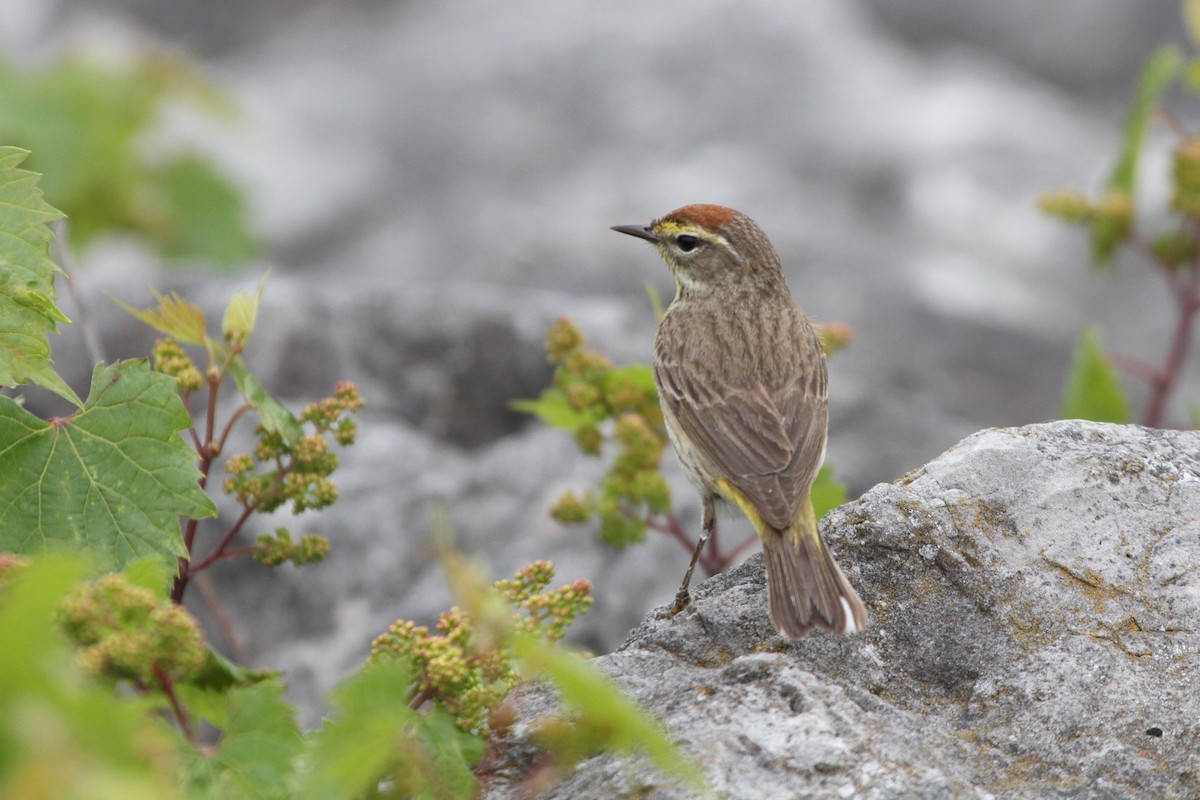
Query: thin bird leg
(708, 525)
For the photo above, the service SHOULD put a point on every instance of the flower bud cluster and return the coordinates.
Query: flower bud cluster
(126, 632)
(469, 679)
(275, 548)
(170, 358)
(609, 405)
(1110, 217)
(295, 470)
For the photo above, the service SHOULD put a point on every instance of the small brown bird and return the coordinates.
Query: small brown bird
(744, 390)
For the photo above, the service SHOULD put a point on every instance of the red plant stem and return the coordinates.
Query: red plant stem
(421, 697)
(219, 551)
(744, 545)
(168, 687)
(242, 409)
(674, 529)
(1134, 366)
(1187, 296)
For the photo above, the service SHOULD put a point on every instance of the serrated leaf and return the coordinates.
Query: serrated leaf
(174, 316)
(241, 313)
(112, 480)
(273, 414)
(259, 744)
(553, 408)
(27, 294)
(827, 492)
(1157, 73)
(1093, 388)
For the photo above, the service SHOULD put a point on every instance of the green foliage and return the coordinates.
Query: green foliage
(827, 492)
(113, 478)
(27, 295)
(596, 717)
(376, 739)
(112, 482)
(1093, 389)
(599, 403)
(62, 733)
(85, 124)
(255, 758)
(1157, 75)
(468, 678)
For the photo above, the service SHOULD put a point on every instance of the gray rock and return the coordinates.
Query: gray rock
(1034, 593)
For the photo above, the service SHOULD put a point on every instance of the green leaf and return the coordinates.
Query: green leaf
(209, 215)
(259, 744)
(174, 316)
(827, 492)
(1157, 73)
(112, 479)
(377, 736)
(1093, 389)
(1194, 415)
(603, 708)
(273, 415)
(27, 294)
(241, 314)
(640, 375)
(553, 408)
(87, 124)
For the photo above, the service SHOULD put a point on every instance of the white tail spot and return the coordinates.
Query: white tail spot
(851, 627)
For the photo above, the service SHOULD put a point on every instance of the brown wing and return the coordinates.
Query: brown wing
(757, 417)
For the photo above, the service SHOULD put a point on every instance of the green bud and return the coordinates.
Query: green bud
(1186, 175)
(1068, 205)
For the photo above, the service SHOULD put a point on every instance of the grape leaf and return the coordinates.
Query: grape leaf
(1093, 389)
(113, 478)
(259, 744)
(27, 296)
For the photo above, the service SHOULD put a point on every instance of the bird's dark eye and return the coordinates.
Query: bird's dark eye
(687, 243)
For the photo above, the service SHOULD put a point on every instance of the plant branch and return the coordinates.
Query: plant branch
(168, 687)
(218, 552)
(1187, 297)
(670, 525)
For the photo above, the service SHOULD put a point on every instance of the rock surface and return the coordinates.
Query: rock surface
(1035, 595)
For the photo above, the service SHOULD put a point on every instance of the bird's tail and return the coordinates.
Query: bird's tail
(806, 587)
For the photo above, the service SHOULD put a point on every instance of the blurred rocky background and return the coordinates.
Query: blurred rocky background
(433, 184)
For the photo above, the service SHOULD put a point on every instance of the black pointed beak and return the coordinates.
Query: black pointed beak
(640, 231)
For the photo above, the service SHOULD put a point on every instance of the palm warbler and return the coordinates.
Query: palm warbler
(744, 389)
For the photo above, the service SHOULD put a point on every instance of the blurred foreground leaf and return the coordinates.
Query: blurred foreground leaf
(86, 123)
(61, 733)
